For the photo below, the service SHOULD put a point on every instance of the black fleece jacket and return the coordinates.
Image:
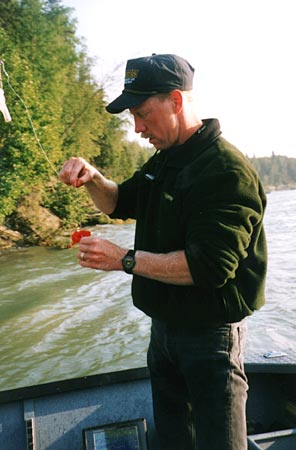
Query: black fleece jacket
(206, 198)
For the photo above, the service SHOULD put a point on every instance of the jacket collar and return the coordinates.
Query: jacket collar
(180, 155)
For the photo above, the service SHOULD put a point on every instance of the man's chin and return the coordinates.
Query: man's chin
(156, 144)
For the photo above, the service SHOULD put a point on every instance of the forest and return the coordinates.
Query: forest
(276, 172)
(50, 74)
(58, 111)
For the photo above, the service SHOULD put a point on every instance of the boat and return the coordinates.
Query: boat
(99, 412)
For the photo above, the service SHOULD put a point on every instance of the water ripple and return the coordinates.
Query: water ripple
(59, 320)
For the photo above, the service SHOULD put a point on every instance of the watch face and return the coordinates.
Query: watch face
(129, 262)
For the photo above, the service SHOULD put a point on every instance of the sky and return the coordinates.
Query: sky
(243, 52)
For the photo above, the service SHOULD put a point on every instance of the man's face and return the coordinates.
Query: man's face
(157, 121)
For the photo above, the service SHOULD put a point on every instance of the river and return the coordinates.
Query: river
(58, 320)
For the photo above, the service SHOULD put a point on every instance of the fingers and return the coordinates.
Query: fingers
(71, 170)
(76, 172)
(87, 243)
(100, 254)
(88, 249)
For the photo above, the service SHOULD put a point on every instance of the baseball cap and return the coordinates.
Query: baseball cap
(151, 75)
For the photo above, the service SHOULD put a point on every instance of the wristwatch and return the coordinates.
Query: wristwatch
(129, 262)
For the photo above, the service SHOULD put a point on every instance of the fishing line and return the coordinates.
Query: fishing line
(28, 115)
(3, 108)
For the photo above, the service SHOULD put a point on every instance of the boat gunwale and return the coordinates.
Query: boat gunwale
(73, 384)
(110, 378)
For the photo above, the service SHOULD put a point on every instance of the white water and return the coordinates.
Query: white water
(273, 327)
(59, 321)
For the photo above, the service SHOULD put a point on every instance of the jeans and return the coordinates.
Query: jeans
(199, 387)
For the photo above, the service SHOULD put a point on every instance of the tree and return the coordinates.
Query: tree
(58, 110)
(276, 171)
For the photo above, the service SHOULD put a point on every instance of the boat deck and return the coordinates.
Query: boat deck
(53, 416)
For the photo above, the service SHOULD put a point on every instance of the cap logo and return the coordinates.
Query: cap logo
(131, 75)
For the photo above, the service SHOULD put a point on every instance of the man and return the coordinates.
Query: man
(199, 261)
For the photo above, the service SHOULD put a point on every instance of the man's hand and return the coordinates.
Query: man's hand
(100, 254)
(77, 172)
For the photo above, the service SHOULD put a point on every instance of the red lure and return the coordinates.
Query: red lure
(77, 235)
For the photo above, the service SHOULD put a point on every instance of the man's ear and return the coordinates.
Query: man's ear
(177, 99)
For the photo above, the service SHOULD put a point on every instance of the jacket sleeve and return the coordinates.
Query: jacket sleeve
(127, 199)
(222, 230)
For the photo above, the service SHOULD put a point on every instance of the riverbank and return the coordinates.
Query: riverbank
(32, 224)
(280, 187)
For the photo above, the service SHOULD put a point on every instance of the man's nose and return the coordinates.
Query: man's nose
(139, 125)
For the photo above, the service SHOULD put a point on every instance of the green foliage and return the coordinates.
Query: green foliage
(53, 90)
(276, 170)
(52, 86)
(71, 205)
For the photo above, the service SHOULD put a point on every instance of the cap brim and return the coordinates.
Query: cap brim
(126, 100)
